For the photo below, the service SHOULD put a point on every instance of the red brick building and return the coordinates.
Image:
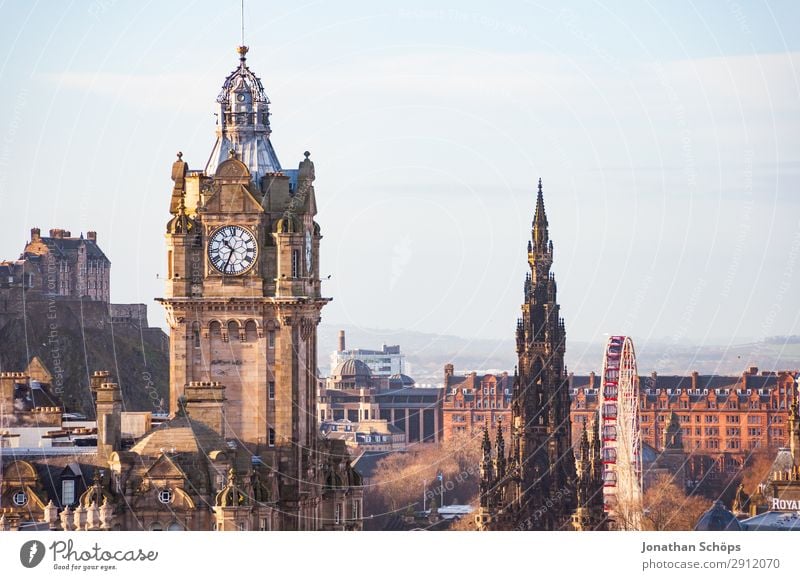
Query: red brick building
(723, 419)
(472, 401)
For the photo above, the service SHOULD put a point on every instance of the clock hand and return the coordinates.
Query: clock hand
(228, 261)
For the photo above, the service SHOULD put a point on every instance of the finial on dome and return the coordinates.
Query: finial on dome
(180, 155)
(231, 153)
(307, 154)
(242, 51)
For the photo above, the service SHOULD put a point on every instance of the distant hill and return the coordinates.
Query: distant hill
(427, 353)
(76, 338)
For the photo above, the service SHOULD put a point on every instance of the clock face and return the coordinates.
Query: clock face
(232, 250)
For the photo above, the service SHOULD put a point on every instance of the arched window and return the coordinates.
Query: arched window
(215, 328)
(196, 334)
(251, 331)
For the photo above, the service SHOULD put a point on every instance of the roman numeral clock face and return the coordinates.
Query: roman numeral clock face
(232, 250)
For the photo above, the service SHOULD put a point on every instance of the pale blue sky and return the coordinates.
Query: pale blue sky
(667, 135)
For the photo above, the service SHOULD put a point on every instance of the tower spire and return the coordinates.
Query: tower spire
(541, 235)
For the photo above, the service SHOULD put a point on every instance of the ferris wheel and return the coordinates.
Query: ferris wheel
(622, 445)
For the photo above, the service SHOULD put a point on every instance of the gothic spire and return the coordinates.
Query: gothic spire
(500, 456)
(541, 235)
(487, 444)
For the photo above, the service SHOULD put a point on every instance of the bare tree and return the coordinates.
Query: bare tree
(667, 507)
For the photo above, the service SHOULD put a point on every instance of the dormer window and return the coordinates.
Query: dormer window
(67, 492)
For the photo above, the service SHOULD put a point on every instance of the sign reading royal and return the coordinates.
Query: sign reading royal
(67, 556)
(785, 505)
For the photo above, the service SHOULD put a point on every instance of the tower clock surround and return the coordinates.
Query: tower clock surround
(232, 250)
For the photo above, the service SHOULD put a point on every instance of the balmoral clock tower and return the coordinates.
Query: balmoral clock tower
(243, 293)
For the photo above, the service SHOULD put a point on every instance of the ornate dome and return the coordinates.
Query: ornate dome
(243, 124)
(718, 519)
(404, 380)
(242, 81)
(352, 368)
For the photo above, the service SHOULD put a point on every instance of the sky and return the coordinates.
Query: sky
(667, 136)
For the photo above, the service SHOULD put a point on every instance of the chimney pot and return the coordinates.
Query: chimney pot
(342, 342)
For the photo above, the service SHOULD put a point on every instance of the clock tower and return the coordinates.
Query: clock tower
(243, 294)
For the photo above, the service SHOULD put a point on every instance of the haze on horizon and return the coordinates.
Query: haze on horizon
(667, 138)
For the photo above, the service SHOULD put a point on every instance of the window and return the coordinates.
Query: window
(337, 513)
(271, 437)
(271, 339)
(67, 492)
(271, 389)
(732, 418)
(356, 510)
(295, 263)
(165, 496)
(242, 526)
(20, 498)
(264, 524)
(753, 420)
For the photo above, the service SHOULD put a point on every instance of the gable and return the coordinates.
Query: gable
(164, 468)
(232, 198)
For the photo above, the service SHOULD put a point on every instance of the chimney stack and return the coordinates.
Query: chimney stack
(109, 418)
(591, 379)
(36, 234)
(91, 236)
(205, 402)
(341, 341)
(97, 379)
(449, 370)
(695, 376)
